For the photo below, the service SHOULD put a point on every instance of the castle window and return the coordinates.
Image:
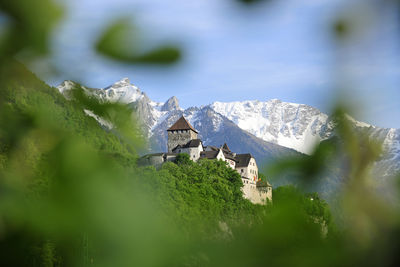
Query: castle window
(241, 170)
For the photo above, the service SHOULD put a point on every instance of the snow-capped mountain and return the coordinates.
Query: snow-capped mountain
(124, 92)
(301, 127)
(291, 125)
(265, 129)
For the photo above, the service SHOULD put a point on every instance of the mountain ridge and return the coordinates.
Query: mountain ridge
(269, 129)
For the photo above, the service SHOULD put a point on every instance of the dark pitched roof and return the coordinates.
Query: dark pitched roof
(209, 154)
(228, 153)
(181, 124)
(191, 143)
(194, 143)
(226, 147)
(229, 156)
(214, 148)
(243, 160)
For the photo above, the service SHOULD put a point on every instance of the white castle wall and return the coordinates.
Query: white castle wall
(194, 152)
(257, 195)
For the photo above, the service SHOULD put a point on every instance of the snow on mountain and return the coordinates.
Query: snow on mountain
(295, 126)
(99, 119)
(302, 127)
(65, 86)
(256, 124)
(122, 91)
(125, 92)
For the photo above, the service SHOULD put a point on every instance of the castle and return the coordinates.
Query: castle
(182, 138)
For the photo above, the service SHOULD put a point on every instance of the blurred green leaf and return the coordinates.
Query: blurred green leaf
(341, 28)
(29, 27)
(308, 168)
(120, 41)
(71, 193)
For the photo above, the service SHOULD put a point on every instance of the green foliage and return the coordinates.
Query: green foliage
(65, 178)
(120, 42)
(311, 204)
(29, 26)
(262, 176)
(183, 159)
(72, 195)
(198, 194)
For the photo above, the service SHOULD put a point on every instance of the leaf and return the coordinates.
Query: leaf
(29, 26)
(120, 42)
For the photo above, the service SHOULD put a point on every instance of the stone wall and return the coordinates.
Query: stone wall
(193, 152)
(156, 159)
(180, 137)
(256, 194)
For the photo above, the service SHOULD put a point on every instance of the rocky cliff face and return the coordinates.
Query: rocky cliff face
(171, 104)
(291, 125)
(301, 127)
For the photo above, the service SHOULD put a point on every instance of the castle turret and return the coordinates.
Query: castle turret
(180, 133)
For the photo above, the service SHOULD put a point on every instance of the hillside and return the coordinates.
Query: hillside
(269, 130)
(26, 98)
(70, 187)
(72, 194)
(214, 128)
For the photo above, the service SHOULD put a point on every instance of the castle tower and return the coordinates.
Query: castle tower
(180, 133)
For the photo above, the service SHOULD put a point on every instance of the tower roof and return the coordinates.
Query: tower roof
(225, 146)
(181, 124)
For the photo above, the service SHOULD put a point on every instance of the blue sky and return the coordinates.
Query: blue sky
(282, 49)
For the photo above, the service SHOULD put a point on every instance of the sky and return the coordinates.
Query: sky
(281, 49)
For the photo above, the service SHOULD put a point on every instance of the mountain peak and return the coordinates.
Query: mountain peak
(275, 100)
(171, 104)
(124, 81)
(65, 86)
(123, 91)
